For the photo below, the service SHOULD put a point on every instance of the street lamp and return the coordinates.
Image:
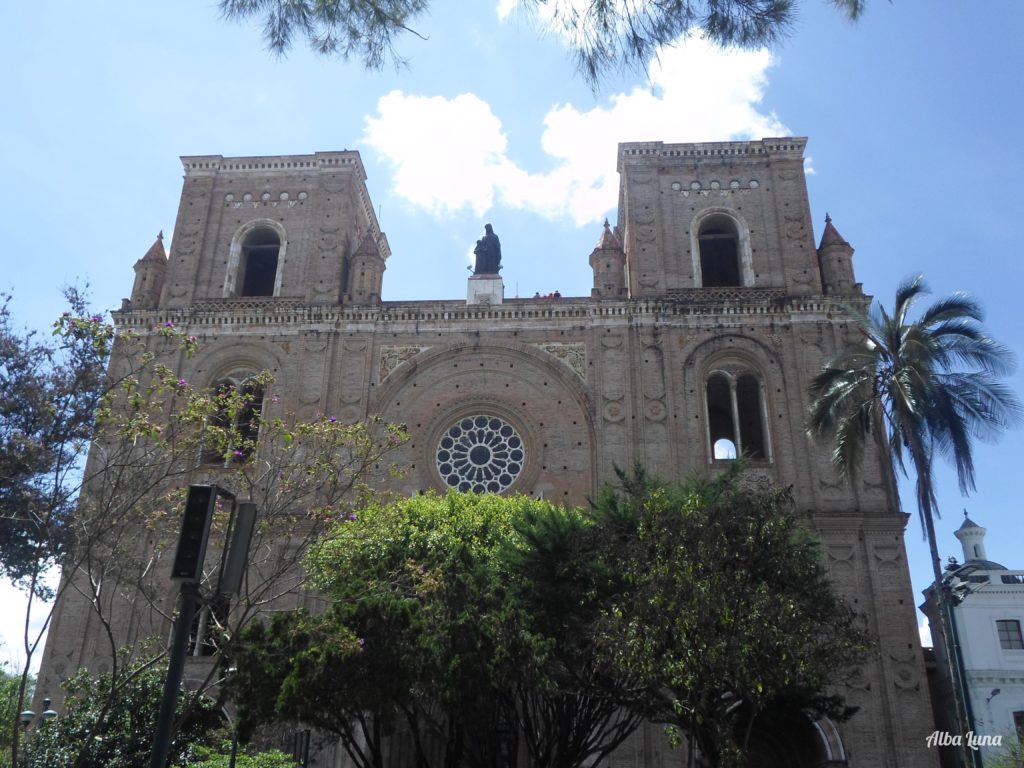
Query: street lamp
(28, 715)
(27, 718)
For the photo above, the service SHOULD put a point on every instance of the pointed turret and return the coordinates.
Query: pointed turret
(366, 275)
(608, 260)
(831, 235)
(972, 539)
(835, 257)
(150, 271)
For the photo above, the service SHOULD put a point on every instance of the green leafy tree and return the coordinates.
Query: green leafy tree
(475, 627)
(10, 695)
(575, 704)
(916, 389)
(456, 623)
(730, 617)
(49, 391)
(605, 34)
(1011, 755)
(92, 732)
(417, 643)
(205, 757)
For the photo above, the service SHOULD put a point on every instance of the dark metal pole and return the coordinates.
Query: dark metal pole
(973, 757)
(175, 672)
(234, 744)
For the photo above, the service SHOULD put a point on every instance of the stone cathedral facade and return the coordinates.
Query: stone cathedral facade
(711, 309)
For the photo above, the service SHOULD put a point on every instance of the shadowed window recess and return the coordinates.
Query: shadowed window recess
(232, 431)
(736, 417)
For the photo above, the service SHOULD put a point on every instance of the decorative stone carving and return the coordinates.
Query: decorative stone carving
(482, 453)
(573, 356)
(613, 411)
(393, 356)
(655, 410)
(905, 668)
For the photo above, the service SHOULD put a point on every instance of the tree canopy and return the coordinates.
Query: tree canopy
(474, 628)
(604, 34)
(729, 619)
(49, 391)
(95, 729)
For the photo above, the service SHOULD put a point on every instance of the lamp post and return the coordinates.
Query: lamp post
(28, 717)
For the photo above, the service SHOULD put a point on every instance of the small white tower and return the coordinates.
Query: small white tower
(972, 539)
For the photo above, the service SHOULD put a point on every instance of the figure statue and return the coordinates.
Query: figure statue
(488, 253)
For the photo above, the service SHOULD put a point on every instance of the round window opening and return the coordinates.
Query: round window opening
(482, 454)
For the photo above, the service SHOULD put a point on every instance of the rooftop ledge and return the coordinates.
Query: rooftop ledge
(789, 146)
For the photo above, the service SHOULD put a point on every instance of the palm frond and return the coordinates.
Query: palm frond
(933, 382)
(958, 306)
(906, 294)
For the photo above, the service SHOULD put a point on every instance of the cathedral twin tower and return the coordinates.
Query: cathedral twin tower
(711, 309)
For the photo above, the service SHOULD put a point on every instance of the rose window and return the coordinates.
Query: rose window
(482, 454)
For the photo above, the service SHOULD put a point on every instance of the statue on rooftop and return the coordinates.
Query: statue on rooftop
(488, 253)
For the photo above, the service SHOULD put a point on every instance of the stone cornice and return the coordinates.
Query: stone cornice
(640, 151)
(210, 165)
(728, 306)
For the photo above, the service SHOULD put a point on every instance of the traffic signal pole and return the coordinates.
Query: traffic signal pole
(187, 569)
(189, 601)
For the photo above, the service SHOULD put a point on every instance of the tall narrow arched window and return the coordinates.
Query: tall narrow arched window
(721, 427)
(232, 430)
(258, 262)
(719, 245)
(736, 416)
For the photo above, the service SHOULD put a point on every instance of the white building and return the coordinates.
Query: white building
(987, 602)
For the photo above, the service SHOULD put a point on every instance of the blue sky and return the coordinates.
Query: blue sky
(913, 117)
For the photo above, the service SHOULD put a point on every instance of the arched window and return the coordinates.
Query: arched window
(719, 244)
(257, 263)
(231, 432)
(736, 416)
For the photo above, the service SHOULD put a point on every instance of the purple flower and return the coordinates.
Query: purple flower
(352, 517)
(239, 453)
(182, 383)
(332, 419)
(97, 318)
(361, 642)
(168, 324)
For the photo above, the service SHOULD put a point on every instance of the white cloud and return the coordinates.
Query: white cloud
(444, 151)
(505, 8)
(451, 154)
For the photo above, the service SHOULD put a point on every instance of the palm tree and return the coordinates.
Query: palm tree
(918, 388)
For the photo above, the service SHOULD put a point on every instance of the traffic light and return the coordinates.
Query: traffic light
(195, 531)
(237, 556)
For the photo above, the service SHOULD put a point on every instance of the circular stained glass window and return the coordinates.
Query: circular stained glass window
(482, 454)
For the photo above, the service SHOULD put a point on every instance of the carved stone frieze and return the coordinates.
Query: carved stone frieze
(393, 356)
(572, 355)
